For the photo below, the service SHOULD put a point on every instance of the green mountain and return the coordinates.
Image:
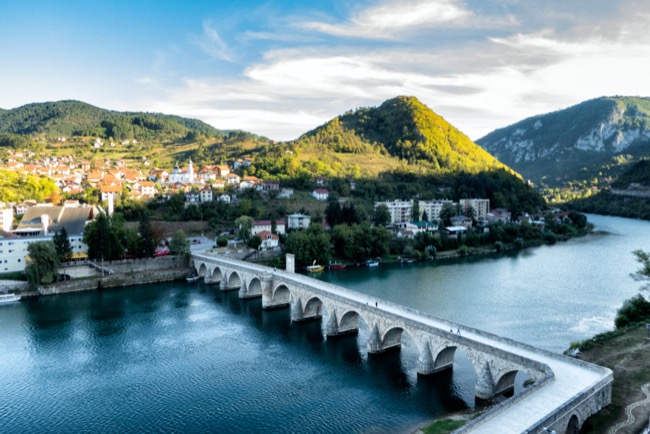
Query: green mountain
(406, 130)
(581, 142)
(400, 132)
(68, 118)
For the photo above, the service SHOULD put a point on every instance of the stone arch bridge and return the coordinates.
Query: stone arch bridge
(564, 391)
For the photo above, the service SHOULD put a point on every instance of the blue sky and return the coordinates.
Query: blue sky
(281, 68)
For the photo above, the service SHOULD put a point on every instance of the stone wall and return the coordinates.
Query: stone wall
(145, 264)
(126, 273)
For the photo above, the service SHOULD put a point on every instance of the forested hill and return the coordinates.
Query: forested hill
(638, 173)
(577, 143)
(68, 118)
(629, 195)
(404, 130)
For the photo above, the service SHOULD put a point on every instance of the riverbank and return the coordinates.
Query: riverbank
(116, 274)
(626, 354)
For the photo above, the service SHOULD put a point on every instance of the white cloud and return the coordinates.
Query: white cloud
(212, 43)
(389, 18)
(477, 83)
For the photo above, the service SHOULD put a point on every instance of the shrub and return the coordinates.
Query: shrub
(634, 310)
(222, 241)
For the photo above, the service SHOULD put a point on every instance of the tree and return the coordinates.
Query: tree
(274, 225)
(102, 239)
(333, 213)
(254, 242)
(245, 225)
(312, 244)
(349, 214)
(415, 212)
(446, 213)
(62, 245)
(381, 215)
(44, 265)
(147, 242)
(179, 245)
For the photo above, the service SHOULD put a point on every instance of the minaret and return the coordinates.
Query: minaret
(190, 172)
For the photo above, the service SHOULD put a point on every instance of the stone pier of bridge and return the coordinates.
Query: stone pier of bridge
(497, 361)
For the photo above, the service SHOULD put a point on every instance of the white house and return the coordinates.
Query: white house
(320, 194)
(265, 225)
(298, 221)
(269, 241)
(192, 197)
(225, 198)
(147, 188)
(206, 194)
(233, 179)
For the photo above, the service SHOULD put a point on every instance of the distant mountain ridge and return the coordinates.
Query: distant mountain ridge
(405, 129)
(67, 118)
(581, 138)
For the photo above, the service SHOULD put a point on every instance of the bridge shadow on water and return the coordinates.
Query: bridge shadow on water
(391, 372)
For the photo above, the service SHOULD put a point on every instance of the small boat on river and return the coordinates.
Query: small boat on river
(314, 268)
(192, 279)
(337, 266)
(9, 298)
(372, 263)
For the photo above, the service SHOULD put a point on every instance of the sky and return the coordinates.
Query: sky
(280, 68)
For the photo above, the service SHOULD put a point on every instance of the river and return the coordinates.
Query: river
(181, 358)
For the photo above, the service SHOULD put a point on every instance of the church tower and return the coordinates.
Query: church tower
(190, 172)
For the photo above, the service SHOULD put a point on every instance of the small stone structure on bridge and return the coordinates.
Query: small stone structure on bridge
(496, 360)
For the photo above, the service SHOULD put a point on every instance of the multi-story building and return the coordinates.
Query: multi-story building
(298, 221)
(40, 223)
(6, 219)
(481, 207)
(400, 211)
(432, 208)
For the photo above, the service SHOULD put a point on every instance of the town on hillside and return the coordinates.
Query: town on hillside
(413, 228)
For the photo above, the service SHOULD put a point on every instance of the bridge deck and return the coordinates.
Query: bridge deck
(571, 377)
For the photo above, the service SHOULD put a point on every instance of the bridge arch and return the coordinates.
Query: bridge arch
(313, 308)
(573, 426)
(506, 382)
(349, 322)
(233, 281)
(444, 359)
(281, 294)
(217, 276)
(202, 270)
(254, 287)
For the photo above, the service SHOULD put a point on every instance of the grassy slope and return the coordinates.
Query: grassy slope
(627, 355)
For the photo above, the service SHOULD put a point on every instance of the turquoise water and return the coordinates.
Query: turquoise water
(185, 358)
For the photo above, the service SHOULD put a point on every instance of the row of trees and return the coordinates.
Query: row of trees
(108, 239)
(357, 242)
